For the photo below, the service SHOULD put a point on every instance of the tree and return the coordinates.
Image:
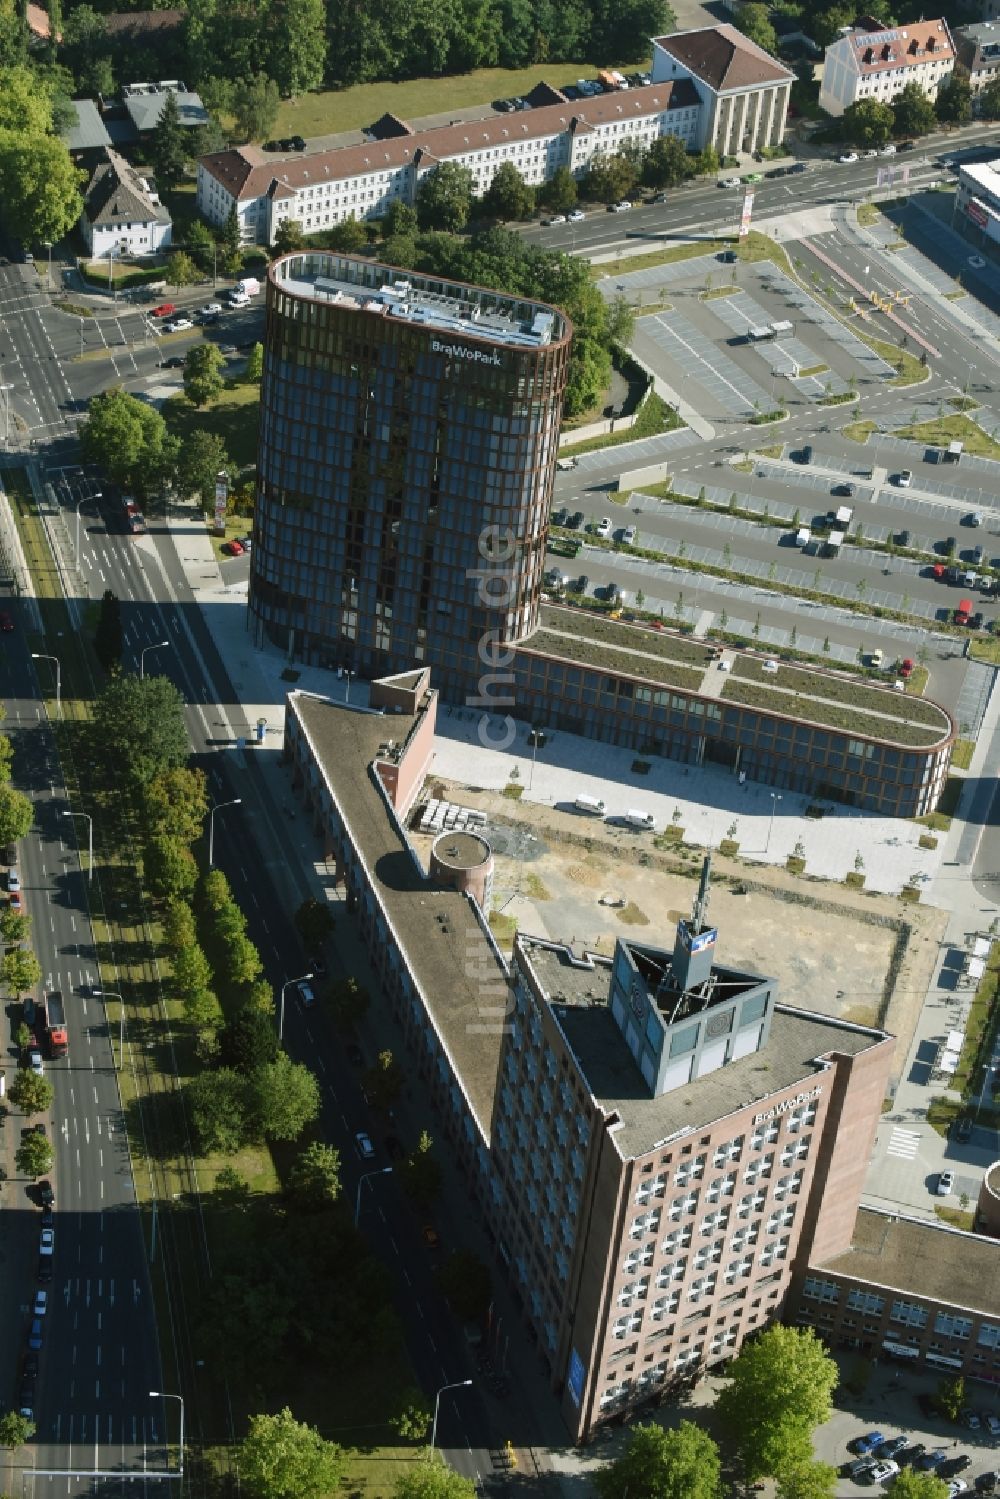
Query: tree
(282, 1098)
(621, 322)
(15, 1429)
(807, 1480)
(281, 1458)
(231, 238)
(431, 1479)
(754, 22)
(349, 237)
(384, 1081)
(314, 922)
(203, 366)
(201, 459)
(255, 107)
(707, 162)
(15, 926)
(658, 1464)
(825, 26)
(16, 814)
(950, 1396)
(953, 105)
(989, 101)
(466, 1284)
(199, 241)
(444, 197)
(20, 970)
(140, 725)
(610, 176)
(867, 123)
(913, 110)
(39, 187)
(288, 236)
(314, 1180)
(299, 56)
(232, 1189)
(560, 192)
(180, 270)
(6, 757)
(349, 1002)
(422, 1173)
(778, 1389)
(192, 974)
(255, 365)
(400, 218)
(666, 163)
(25, 107)
(216, 1104)
(108, 634)
(911, 1484)
(250, 1039)
(176, 800)
(412, 1420)
(129, 440)
(34, 1155)
(31, 1093)
(178, 925)
(508, 195)
(168, 148)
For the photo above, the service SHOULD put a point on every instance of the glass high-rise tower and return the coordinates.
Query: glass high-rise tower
(409, 432)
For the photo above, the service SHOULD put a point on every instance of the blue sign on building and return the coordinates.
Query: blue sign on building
(575, 1377)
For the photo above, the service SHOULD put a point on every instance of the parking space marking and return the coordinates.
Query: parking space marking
(701, 360)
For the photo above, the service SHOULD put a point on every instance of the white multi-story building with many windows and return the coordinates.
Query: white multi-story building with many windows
(873, 62)
(323, 188)
(743, 90)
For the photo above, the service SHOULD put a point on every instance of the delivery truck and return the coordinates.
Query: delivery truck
(52, 1024)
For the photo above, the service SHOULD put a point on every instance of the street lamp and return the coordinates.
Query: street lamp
(536, 734)
(460, 1384)
(775, 799)
(6, 401)
(48, 245)
(142, 672)
(41, 656)
(90, 839)
(166, 1395)
(211, 816)
(281, 1008)
(988, 1072)
(110, 994)
(86, 499)
(385, 1171)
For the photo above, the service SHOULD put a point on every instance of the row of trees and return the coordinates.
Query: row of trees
(133, 445)
(912, 113)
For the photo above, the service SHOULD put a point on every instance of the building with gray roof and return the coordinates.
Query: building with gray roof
(122, 214)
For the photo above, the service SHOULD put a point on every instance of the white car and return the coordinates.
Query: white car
(239, 299)
(622, 207)
(889, 150)
(41, 1303)
(603, 527)
(870, 154)
(13, 880)
(179, 325)
(47, 1242)
(211, 309)
(957, 1486)
(628, 536)
(945, 1183)
(730, 182)
(904, 479)
(576, 216)
(365, 1148)
(771, 667)
(883, 1469)
(848, 157)
(35, 1061)
(557, 218)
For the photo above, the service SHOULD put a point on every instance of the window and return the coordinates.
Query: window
(760, 1167)
(731, 1151)
(663, 1306)
(682, 1205)
(776, 1250)
(952, 1327)
(646, 1223)
(690, 1170)
(764, 1134)
(823, 1290)
(908, 1313)
(753, 1202)
(654, 1187)
(679, 1239)
(626, 1325)
(714, 1221)
(722, 1186)
(866, 1301)
(796, 1150)
(633, 1290)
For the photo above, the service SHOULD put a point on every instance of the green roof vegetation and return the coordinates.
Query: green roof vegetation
(633, 637)
(607, 658)
(773, 699)
(853, 692)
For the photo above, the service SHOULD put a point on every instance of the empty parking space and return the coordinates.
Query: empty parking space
(643, 450)
(701, 361)
(631, 283)
(832, 328)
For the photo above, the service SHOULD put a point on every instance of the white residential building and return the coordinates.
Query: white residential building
(871, 63)
(743, 90)
(122, 214)
(324, 188)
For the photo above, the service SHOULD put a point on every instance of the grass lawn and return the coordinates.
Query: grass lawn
(655, 417)
(986, 648)
(942, 430)
(858, 431)
(718, 291)
(868, 214)
(233, 416)
(353, 108)
(759, 246)
(909, 370)
(667, 256)
(961, 755)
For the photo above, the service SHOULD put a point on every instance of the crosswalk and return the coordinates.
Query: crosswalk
(903, 1143)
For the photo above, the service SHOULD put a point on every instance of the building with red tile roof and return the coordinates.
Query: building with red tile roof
(743, 90)
(871, 61)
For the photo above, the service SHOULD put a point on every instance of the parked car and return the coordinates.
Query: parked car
(945, 1183)
(364, 1146)
(906, 667)
(880, 1471)
(178, 325)
(16, 901)
(35, 1061)
(246, 542)
(35, 1334)
(845, 489)
(47, 1241)
(46, 1196)
(210, 309)
(963, 1133)
(988, 1481)
(13, 880)
(902, 538)
(933, 1459)
(869, 1443)
(603, 526)
(955, 1465)
(575, 521)
(232, 548)
(806, 454)
(296, 143)
(890, 149)
(165, 309)
(893, 1447)
(581, 585)
(904, 479)
(847, 157)
(44, 1272)
(307, 997)
(175, 362)
(41, 1303)
(628, 535)
(575, 215)
(993, 1424)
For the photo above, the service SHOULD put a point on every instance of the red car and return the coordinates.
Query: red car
(15, 902)
(939, 570)
(164, 309)
(963, 612)
(906, 668)
(6, 623)
(233, 548)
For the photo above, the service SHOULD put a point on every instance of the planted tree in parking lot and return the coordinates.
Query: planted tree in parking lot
(20, 970)
(34, 1155)
(314, 922)
(314, 1180)
(203, 366)
(140, 723)
(950, 1396)
(281, 1458)
(431, 1478)
(16, 814)
(911, 1484)
(30, 1093)
(282, 1098)
(658, 1464)
(778, 1389)
(15, 1429)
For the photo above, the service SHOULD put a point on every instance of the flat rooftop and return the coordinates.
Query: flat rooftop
(578, 992)
(927, 1259)
(459, 972)
(830, 699)
(427, 301)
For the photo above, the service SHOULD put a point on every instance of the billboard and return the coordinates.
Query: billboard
(747, 214)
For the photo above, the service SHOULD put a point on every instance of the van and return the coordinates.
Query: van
(249, 285)
(637, 819)
(591, 804)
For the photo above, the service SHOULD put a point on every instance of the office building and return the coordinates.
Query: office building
(978, 49)
(977, 204)
(408, 433)
(744, 91)
(871, 61)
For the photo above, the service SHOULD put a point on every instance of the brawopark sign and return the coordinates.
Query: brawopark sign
(459, 351)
